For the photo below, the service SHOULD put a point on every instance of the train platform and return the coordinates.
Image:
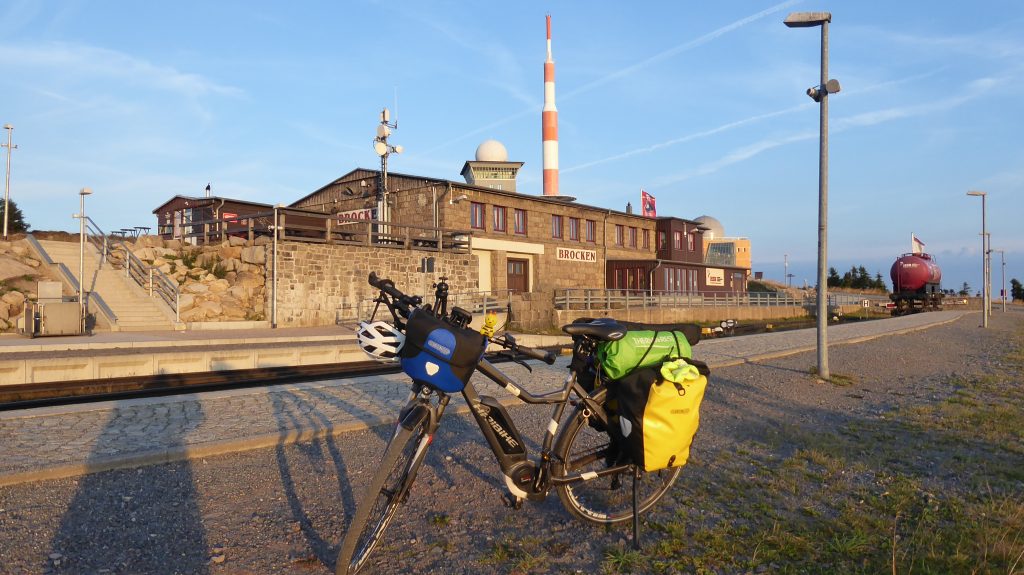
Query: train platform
(106, 355)
(66, 441)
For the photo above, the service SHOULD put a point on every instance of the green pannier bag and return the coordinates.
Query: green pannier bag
(641, 348)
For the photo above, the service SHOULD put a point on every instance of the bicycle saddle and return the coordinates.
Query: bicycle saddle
(603, 329)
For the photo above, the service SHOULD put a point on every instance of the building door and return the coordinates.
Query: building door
(518, 275)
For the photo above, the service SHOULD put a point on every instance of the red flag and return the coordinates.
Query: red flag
(647, 203)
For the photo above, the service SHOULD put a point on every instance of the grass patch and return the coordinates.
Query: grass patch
(935, 488)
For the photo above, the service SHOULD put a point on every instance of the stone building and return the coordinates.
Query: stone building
(527, 243)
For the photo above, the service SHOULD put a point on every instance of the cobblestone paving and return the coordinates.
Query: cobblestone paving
(94, 436)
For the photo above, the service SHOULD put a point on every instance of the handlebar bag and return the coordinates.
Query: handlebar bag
(642, 348)
(656, 418)
(438, 354)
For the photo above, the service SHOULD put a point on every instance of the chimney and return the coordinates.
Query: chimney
(549, 123)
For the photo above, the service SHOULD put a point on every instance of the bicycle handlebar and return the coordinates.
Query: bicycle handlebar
(547, 357)
(508, 342)
(404, 303)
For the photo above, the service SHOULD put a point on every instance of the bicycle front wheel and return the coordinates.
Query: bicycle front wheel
(581, 448)
(388, 489)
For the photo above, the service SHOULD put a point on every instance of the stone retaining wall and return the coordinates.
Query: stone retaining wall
(317, 280)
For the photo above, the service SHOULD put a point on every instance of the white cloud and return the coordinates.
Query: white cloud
(78, 60)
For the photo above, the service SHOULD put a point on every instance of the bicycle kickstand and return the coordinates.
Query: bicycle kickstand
(636, 514)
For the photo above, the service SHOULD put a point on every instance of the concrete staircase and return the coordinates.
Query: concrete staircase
(134, 308)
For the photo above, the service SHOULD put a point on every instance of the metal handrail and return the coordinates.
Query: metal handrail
(148, 277)
(600, 299)
(72, 281)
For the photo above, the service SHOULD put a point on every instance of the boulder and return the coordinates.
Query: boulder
(254, 255)
(236, 241)
(20, 248)
(31, 262)
(172, 244)
(186, 301)
(212, 308)
(230, 252)
(248, 280)
(5, 311)
(14, 298)
(4, 326)
(194, 314)
(237, 292)
(233, 312)
(263, 240)
(219, 286)
(148, 241)
(196, 288)
(145, 254)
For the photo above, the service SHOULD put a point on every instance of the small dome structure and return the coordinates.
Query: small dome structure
(491, 151)
(715, 229)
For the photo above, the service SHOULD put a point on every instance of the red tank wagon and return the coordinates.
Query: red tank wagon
(915, 284)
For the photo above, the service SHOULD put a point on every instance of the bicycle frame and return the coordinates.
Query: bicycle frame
(525, 479)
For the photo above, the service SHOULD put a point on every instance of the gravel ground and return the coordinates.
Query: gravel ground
(284, 510)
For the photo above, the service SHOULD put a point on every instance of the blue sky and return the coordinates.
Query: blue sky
(700, 103)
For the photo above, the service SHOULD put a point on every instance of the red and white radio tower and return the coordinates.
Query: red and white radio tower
(549, 124)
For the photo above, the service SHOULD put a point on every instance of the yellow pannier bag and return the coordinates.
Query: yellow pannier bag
(659, 412)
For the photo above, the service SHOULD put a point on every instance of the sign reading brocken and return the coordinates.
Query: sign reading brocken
(576, 255)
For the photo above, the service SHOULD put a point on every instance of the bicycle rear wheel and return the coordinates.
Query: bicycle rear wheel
(387, 490)
(603, 500)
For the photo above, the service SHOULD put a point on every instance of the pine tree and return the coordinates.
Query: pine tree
(16, 221)
(1016, 290)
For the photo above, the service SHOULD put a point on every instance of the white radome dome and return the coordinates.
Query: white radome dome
(491, 151)
(715, 228)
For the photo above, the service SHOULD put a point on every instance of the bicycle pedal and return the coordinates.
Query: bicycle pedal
(511, 501)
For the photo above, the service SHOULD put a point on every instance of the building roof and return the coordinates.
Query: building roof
(206, 201)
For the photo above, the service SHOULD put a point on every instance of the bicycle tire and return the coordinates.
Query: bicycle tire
(605, 500)
(387, 490)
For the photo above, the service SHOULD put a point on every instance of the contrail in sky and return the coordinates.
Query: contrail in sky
(626, 71)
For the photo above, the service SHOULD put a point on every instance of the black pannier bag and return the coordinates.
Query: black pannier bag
(439, 354)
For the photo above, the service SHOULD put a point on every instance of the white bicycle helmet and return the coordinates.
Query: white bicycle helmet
(380, 340)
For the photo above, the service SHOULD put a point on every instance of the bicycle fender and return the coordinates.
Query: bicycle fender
(412, 417)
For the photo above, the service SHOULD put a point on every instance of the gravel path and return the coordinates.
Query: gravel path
(284, 509)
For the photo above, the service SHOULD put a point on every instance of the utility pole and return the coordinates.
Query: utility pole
(7, 184)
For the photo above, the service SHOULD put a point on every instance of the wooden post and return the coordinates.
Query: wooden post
(281, 233)
(251, 233)
(330, 236)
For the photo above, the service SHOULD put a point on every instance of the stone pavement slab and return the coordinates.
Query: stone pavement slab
(64, 441)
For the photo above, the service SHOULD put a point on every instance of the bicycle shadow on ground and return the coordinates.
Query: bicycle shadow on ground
(317, 407)
(118, 520)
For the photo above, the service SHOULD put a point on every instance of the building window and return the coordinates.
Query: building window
(632, 237)
(689, 242)
(574, 229)
(556, 227)
(662, 240)
(499, 218)
(476, 216)
(619, 233)
(677, 240)
(591, 231)
(520, 221)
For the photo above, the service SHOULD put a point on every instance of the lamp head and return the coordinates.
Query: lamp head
(807, 19)
(975, 193)
(85, 191)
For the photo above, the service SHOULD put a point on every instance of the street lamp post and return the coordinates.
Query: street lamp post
(81, 256)
(7, 182)
(1002, 276)
(820, 94)
(984, 260)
